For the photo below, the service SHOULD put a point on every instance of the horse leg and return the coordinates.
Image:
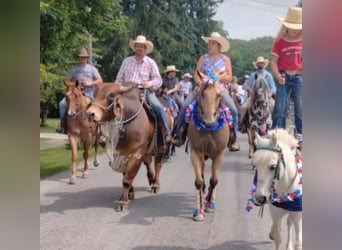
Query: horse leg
(96, 161)
(74, 156)
(127, 184)
(289, 222)
(86, 146)
(150, 170)
(250, 143)
(275, 234)
(297, 220)
(158, 163)
(215, 167)
(198, 165)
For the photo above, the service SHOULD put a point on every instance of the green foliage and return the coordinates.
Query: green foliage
(174, 27)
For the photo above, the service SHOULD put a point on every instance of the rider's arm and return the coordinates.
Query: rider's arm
(199, 66)
(155, 79)
(227, 75)
(120, 77)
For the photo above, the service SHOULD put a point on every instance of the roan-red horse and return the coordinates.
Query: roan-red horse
(132, 137)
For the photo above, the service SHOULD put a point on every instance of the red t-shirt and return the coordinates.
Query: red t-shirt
(289, 54)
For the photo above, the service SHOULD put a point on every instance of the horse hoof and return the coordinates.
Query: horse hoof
(270, 236)
(198, 215)
(72, 180)
(85, 175)
(121, 207)
(210, 207)
(96, 163)
(155, 189)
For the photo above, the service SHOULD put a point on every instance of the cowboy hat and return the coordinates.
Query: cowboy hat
(141, 39)
(215, 36)
(170, 68)
(187, 75)
(83, 53)
(260, 59)
(293, 19)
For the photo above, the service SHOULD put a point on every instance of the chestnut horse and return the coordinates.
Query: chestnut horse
(132, 137)
(79, 127)
(208, 135)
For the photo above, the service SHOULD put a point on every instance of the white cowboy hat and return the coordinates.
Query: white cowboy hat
(83, 53)
(260, 59)
(187, 75)
(293, 19)
(225, 45)
(170, 68)
(141, 39)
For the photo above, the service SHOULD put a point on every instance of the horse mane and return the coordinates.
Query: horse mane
(259, 83)
(284, 136)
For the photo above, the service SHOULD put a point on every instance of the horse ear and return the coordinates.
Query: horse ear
(124, 89)
(66, 82)
(274, 140)
(77, 84)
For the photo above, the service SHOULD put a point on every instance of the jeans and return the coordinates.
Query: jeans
(293, 84)
(226, 98)
(230, 103)
(62, 108)
(158, 108)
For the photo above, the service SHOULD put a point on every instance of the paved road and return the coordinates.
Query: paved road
(49, 140)
(82, 216)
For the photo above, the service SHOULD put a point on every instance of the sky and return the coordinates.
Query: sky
(249, 19)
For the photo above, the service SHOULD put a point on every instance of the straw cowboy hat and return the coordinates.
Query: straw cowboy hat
(260, 59)
(141, 39)
(225, 45)
(293, 19)
(170, 68)
(186, 75)
(83, 53)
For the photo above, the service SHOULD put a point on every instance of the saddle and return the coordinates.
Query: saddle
(160, 131)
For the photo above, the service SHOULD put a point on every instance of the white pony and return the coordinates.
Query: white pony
(278, 182)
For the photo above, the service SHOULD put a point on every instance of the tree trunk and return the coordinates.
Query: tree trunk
(44, 110)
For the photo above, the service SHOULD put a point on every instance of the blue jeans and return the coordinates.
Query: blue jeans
(158, 108)
(226, 98)
(62, 108)
(293, 84)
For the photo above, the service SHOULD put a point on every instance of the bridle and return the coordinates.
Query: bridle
(120, 121)
(78, 97)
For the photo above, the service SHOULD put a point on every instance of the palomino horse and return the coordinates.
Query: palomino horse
(79, 127)
(132, 136)
(278, 182)
(259, 114)
(208, 135)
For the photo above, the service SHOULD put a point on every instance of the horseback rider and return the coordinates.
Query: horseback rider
(88, 78)
(143, 70)
(260, 64)
(212, 62)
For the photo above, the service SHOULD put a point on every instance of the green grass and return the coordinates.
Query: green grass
(58, 159)
(50, 125)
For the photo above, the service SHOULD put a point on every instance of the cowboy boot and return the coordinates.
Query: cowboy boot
(180, 136)
(233, 144)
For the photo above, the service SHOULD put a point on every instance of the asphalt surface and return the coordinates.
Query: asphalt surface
(49, 140)
(82, 216)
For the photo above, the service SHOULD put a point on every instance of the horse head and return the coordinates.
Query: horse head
(108, 102)
(209, 100)
(75, 98)
(272, 159)
(259, 90)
